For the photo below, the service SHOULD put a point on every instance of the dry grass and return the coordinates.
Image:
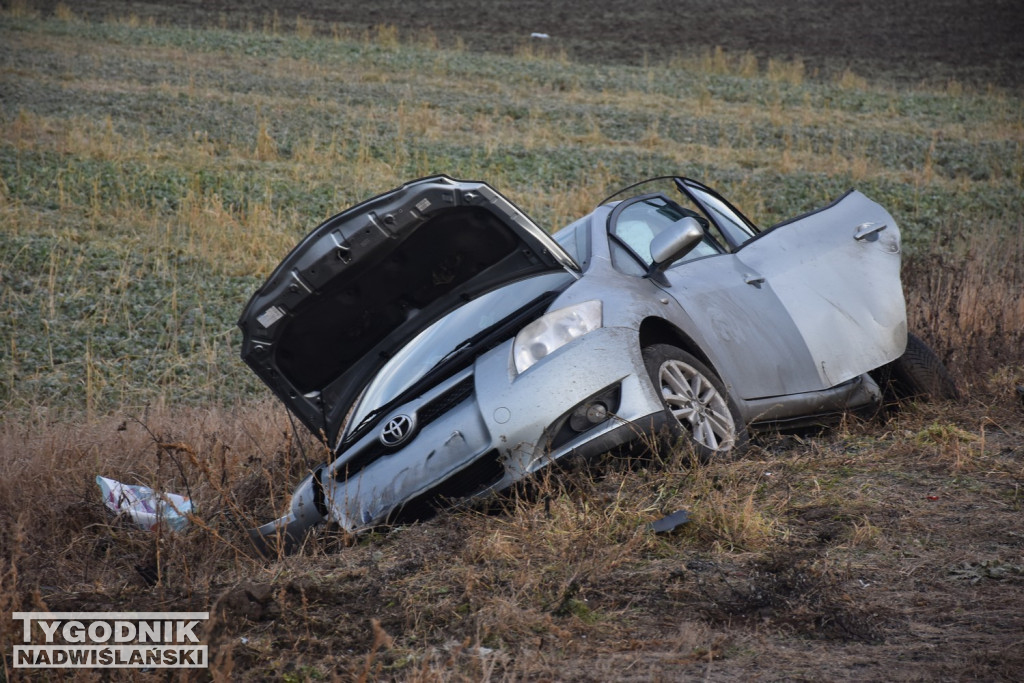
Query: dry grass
(826, 542)
(969, 300)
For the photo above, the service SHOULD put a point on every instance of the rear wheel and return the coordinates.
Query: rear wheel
(697, 404)
(918, 373)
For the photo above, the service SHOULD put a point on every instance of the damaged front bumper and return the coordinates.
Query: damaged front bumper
(479, 431)
(305, 511)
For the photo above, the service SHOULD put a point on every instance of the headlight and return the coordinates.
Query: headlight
(553, 331)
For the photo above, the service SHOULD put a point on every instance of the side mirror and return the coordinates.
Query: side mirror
(672, 244)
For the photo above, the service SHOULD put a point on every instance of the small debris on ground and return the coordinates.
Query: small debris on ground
(144, 506)
(670, 522)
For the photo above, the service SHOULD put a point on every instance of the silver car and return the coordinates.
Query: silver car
(444, 346)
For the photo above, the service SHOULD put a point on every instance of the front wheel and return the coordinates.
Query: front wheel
(697, 404)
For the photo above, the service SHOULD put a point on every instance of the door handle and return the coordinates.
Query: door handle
(869, 231)
(755, 280)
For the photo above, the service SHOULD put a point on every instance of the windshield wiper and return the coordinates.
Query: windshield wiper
(464, 346)
(450, 363)
(447, 360)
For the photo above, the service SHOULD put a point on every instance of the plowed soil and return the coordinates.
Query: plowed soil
(976, 41)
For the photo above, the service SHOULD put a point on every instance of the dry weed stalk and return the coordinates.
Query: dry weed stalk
(968, 301)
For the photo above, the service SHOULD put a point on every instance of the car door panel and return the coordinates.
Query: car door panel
(743, 328)
(801, 307)
(837, 274)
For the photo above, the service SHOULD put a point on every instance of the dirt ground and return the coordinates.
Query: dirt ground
(934, 41)
(938, 40)
(885, 550)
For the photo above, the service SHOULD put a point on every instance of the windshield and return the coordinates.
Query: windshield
(449, 335)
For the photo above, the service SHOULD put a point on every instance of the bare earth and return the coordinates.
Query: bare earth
(906, 41)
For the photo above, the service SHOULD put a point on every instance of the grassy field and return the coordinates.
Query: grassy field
(153, 173)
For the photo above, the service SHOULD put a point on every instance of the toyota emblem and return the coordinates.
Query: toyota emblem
(396, 430)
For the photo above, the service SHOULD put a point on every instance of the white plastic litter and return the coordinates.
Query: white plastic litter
(542, 36)
(144, 506)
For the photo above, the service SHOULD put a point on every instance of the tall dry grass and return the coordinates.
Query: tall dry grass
(967, 300)
(234, 464)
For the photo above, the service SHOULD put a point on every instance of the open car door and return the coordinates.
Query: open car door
(801, 307)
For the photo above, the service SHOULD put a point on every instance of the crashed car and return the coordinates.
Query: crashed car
(444, 346)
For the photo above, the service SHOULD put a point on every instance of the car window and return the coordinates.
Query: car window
(624, 260)
(636, 224)
(736, 227)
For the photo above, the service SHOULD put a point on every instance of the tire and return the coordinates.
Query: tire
(697, 405)
(918, 373)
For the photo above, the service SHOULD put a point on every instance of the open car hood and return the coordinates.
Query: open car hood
(366, 281)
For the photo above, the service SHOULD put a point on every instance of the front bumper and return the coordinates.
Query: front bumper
(494, 427)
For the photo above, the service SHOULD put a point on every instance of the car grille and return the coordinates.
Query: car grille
(445, 402)
(426, 414)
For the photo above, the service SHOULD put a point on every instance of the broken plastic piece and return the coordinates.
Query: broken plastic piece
(670, 522)
(144, 506)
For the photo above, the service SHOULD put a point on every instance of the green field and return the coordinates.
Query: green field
(152, 175)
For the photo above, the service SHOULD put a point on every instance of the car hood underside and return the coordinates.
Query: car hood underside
(366, 281)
